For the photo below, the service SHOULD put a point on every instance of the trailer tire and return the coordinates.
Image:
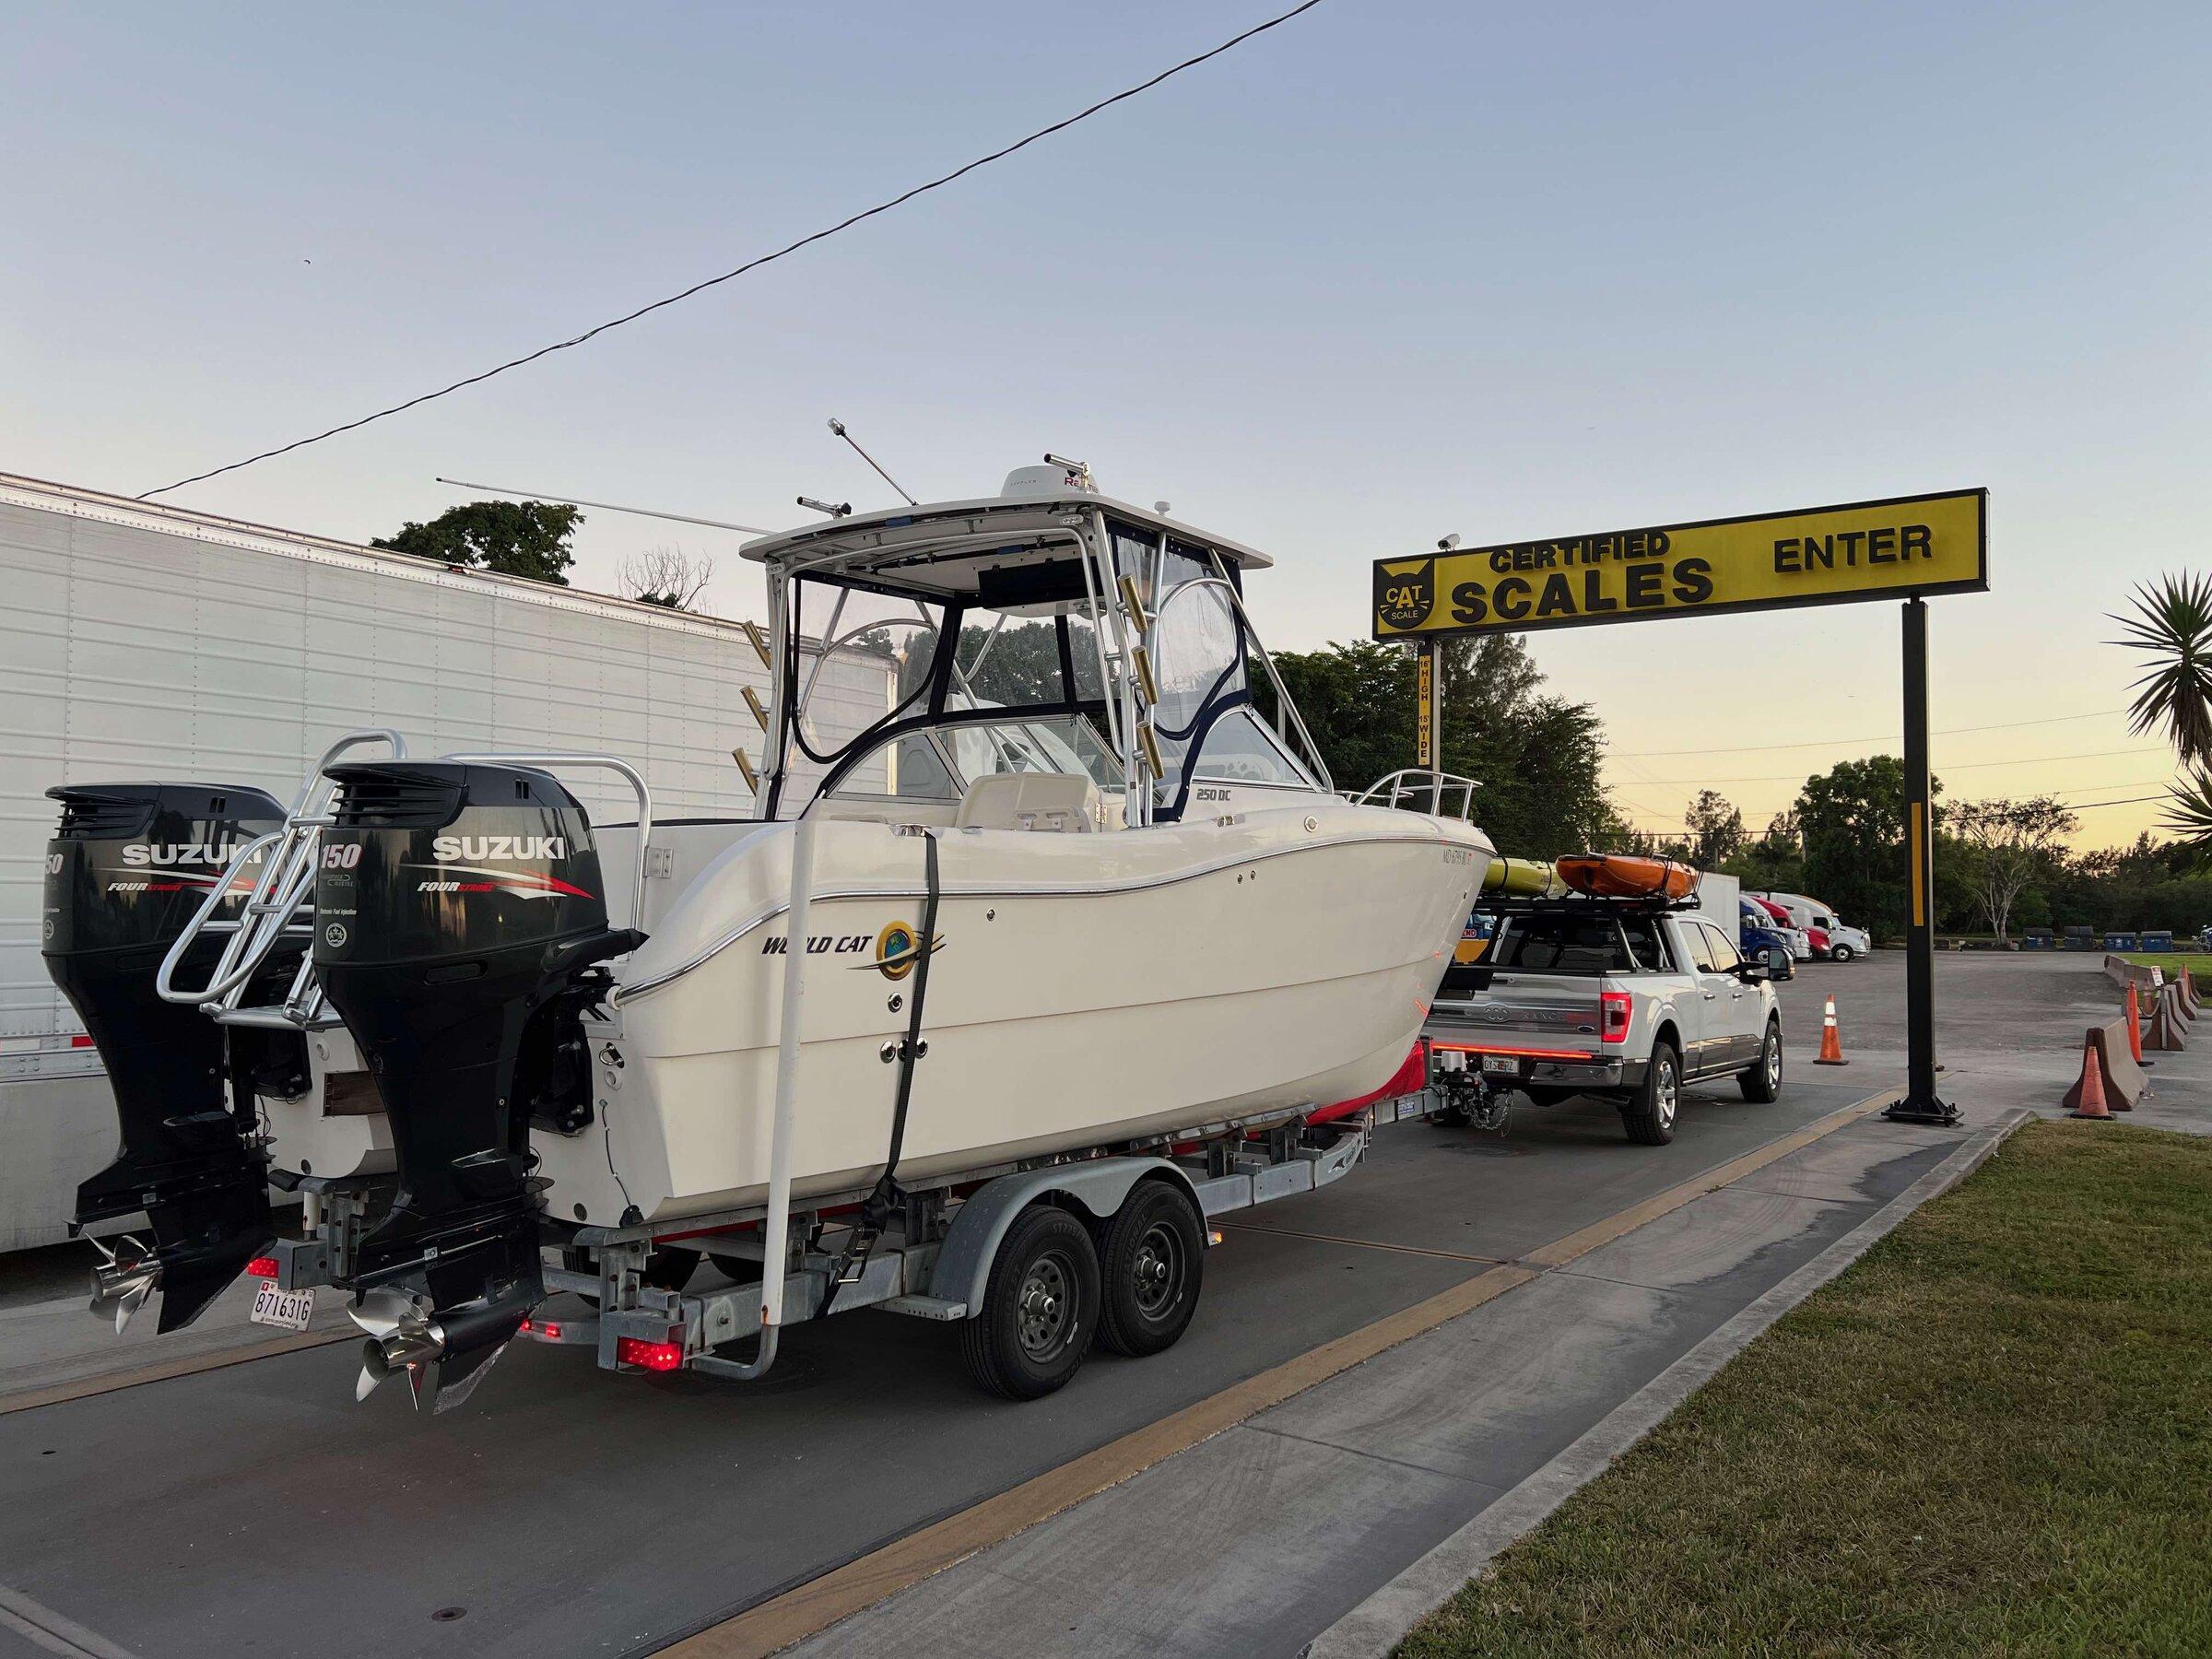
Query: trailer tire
(670, 1267)
(1152, 1259)
(1039, 1308)
(1649, 1115)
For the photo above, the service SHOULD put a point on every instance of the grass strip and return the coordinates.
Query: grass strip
(1993, 1432)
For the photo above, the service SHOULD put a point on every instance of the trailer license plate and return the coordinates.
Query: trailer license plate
(287, 1310)
(1509, 1064)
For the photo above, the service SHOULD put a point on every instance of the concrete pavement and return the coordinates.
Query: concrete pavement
(567, 1510)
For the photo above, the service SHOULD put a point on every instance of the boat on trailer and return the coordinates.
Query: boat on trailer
(980, 1018)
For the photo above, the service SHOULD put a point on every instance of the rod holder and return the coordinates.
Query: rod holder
(1133, 601)
(1141, 660)
(752, 632)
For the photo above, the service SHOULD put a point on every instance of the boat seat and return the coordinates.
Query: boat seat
(1066, 802)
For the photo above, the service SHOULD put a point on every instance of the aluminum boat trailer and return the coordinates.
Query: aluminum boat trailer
(963, 1250)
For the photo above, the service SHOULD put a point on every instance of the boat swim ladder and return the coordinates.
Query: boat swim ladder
(272, 910)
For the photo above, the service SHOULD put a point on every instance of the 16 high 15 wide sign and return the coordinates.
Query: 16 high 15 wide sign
(1888, 549)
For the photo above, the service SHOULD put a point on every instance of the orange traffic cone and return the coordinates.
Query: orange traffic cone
(2087, 1096)
(2135, 1026)
(1831, 1047)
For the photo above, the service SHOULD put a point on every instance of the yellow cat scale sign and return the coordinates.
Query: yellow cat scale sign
(1889, 550)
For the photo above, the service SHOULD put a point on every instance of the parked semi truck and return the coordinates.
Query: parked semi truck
(145, 642)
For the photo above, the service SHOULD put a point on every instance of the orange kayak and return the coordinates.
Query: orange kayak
(1627, 875)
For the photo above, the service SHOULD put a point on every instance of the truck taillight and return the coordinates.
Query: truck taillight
(1613, 1022)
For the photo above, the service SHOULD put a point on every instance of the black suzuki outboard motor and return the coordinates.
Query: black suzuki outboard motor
(128, 868)
(458, 911)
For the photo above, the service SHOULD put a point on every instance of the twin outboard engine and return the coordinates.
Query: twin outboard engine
(127, 869)
(459, 913)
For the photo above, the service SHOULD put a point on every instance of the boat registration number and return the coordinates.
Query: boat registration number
(1509, 1064)
(287, 1310)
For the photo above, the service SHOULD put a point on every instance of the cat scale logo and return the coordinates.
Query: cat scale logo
(1405, 592)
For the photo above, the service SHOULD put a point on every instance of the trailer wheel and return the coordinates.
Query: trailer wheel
(1649, 1114)
(1040, 1307)
(670, 1267)
(1152, 1256)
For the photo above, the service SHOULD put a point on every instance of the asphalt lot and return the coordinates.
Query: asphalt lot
(256, 1508)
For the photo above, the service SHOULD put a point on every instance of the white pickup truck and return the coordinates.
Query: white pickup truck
(1627, 1000)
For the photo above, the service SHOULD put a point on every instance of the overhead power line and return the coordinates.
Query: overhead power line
(753, 265)
(1959, 766)
(1748, 748)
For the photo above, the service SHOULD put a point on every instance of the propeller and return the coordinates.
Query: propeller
(123, 1279)
(401, 1337)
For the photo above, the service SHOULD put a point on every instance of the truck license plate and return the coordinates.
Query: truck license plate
(1509, 1064)
(287, 1310)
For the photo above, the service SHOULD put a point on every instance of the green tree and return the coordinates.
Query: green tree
(2172, 624)
(1852, 818)
(515, 538)
(1776, 862)
(1716, 831)
(1537, 756)
(2008, 844)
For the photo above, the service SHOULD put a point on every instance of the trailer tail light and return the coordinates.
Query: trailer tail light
(1616, 1007)
(544, 1330)
(648, 1355)
(262, 1267)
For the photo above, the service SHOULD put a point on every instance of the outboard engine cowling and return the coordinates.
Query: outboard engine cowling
(458, 908)
(126, 870)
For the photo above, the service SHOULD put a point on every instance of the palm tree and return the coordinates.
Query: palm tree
(2172, 621)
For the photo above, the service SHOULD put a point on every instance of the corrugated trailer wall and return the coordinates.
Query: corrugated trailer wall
(144, 643)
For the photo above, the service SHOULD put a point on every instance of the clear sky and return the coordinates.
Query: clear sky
(1389, 271)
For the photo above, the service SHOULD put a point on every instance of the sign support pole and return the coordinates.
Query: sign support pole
(1429, 722)
(1921, 1104)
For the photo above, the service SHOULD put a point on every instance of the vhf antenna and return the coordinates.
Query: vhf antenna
(838, 427)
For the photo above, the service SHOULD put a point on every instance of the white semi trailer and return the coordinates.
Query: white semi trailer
(143, 642)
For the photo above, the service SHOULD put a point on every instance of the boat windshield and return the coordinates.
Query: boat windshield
(916, 655)
(1200, 661)
(1015, 691)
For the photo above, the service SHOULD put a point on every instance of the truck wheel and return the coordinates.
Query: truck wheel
(1649, 1116)
(1151, 1256)
(1840, 953)
(1040, 1307)
(1763, 1082)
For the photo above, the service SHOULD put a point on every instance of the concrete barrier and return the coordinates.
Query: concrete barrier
(2119, 969)
(2124, 1083)
(2169, 1031)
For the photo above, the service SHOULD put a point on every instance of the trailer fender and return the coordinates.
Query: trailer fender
(1099, 1187)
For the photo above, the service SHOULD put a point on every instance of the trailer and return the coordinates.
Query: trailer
(1031, 1262)
(141, 641)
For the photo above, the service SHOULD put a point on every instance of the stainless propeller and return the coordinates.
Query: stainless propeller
(124, 1279)
(401, 1337)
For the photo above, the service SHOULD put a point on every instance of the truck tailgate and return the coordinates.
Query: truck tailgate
(1557, 1014)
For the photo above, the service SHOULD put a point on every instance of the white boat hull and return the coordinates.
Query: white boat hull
(1088, 989)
